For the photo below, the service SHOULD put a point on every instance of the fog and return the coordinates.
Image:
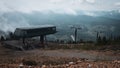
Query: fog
(101, 21)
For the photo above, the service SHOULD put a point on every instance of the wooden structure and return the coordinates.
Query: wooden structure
(29, 32)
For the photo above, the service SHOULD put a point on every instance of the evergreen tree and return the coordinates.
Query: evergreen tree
(104, 40)
(11, 35)
(99, 40)
(2, 38)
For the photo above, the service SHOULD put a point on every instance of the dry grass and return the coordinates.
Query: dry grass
(12, 59)
(77, 64)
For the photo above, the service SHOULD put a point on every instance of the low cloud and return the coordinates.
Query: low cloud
(8, 24)
(117, 4)
(65, 6)
(91, 1)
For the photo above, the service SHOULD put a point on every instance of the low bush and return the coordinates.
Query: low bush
(29, 62)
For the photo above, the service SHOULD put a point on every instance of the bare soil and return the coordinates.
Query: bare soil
(59, 58)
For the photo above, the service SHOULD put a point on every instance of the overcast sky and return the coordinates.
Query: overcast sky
(66, 6)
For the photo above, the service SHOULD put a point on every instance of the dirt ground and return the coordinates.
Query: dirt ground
(68, 58)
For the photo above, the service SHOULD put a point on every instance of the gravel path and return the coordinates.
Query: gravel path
(92, 55)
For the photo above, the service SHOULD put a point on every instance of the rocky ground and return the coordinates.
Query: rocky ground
(59, 58)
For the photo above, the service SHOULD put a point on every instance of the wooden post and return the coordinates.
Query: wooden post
(23, 40)
(42, 40)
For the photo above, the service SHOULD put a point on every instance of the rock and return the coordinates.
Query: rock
(116, 61)
(89, 65)
(78, 61)
(43, 66)
(29, 66)
(119, 61)
(67, 65)
(71, 63)
(21, 65)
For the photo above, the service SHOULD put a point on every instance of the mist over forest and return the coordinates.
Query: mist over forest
(90, 21)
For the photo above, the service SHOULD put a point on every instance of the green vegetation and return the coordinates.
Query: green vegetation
(108, 41)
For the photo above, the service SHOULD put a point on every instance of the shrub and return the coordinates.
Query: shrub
(29, 62)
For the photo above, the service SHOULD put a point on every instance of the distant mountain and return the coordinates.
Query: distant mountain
(90, 21)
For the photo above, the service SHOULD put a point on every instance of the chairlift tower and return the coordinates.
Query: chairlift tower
(98, 34)
(75, 32)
